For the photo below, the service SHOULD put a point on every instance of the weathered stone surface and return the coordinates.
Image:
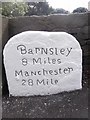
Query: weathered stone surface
(42, 63)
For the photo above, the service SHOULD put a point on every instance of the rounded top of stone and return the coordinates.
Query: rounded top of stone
(35, 36)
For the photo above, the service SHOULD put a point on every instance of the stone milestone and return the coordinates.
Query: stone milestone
(42, 63)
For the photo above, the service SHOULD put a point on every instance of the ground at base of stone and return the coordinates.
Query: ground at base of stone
(63, 105)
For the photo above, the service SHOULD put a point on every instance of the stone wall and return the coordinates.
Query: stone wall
(5, 37)
(5, 34)
(75, 24)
